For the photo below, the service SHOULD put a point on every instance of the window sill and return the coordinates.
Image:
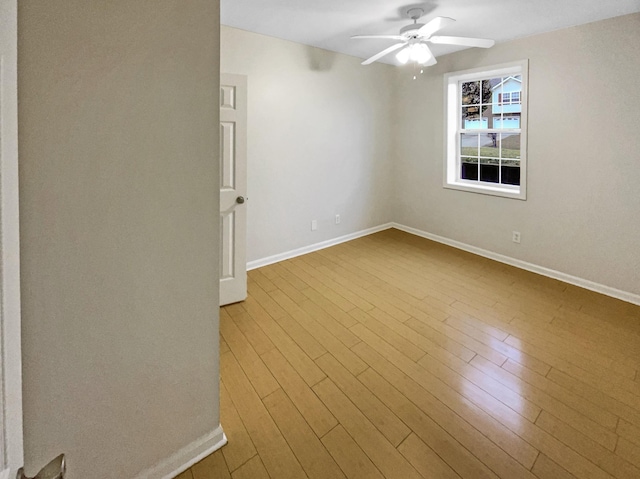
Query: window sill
(504, 191)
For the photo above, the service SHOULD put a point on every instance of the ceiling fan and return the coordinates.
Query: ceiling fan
(414, 38)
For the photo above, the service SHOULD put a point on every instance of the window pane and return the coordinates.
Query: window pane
(489, 146)
(510, 144)
(469, 168)
(510, 172)
(499, 90)
(471, 93)
(469, 144)
(490, 84)
(471, 118)
(489, 170)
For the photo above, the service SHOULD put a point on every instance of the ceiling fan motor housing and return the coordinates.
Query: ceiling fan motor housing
(411, 30)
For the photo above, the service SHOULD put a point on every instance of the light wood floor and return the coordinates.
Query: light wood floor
(393, 356)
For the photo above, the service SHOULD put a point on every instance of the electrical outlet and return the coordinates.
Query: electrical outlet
(314, 225)
(337, 219)
(515, 236)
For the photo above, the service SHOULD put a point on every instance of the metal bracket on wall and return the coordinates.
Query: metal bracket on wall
(54, 470)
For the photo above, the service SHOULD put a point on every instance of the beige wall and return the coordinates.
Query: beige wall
(319, 141)
(118, 122)
(582, 214)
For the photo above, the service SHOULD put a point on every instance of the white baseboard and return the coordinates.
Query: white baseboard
(314, 247)
(550, 273)
(567, 278)
(186, 457)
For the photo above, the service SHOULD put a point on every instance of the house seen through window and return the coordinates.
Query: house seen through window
(486, 131)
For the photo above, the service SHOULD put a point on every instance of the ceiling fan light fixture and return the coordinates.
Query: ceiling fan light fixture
(420, 53)
(416, 52)
(404, 55)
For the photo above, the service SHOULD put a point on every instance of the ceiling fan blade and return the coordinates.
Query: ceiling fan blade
(463, 41)
(383, 53)
(434, 25)
(390, 37)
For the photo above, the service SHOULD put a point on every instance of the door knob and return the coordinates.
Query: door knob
(240, 200)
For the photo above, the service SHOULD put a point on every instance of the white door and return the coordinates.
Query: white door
(11, 448)
(233, 188)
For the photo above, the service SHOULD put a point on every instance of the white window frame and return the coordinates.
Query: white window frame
(453, 128)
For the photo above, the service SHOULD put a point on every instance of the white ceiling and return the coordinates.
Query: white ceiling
(328, 24)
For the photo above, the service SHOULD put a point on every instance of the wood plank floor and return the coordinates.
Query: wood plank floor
(391, 356)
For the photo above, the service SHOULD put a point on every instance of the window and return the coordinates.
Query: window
(486, 130)
(509, 97)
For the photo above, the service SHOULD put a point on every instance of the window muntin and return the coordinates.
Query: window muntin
(486, 130)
